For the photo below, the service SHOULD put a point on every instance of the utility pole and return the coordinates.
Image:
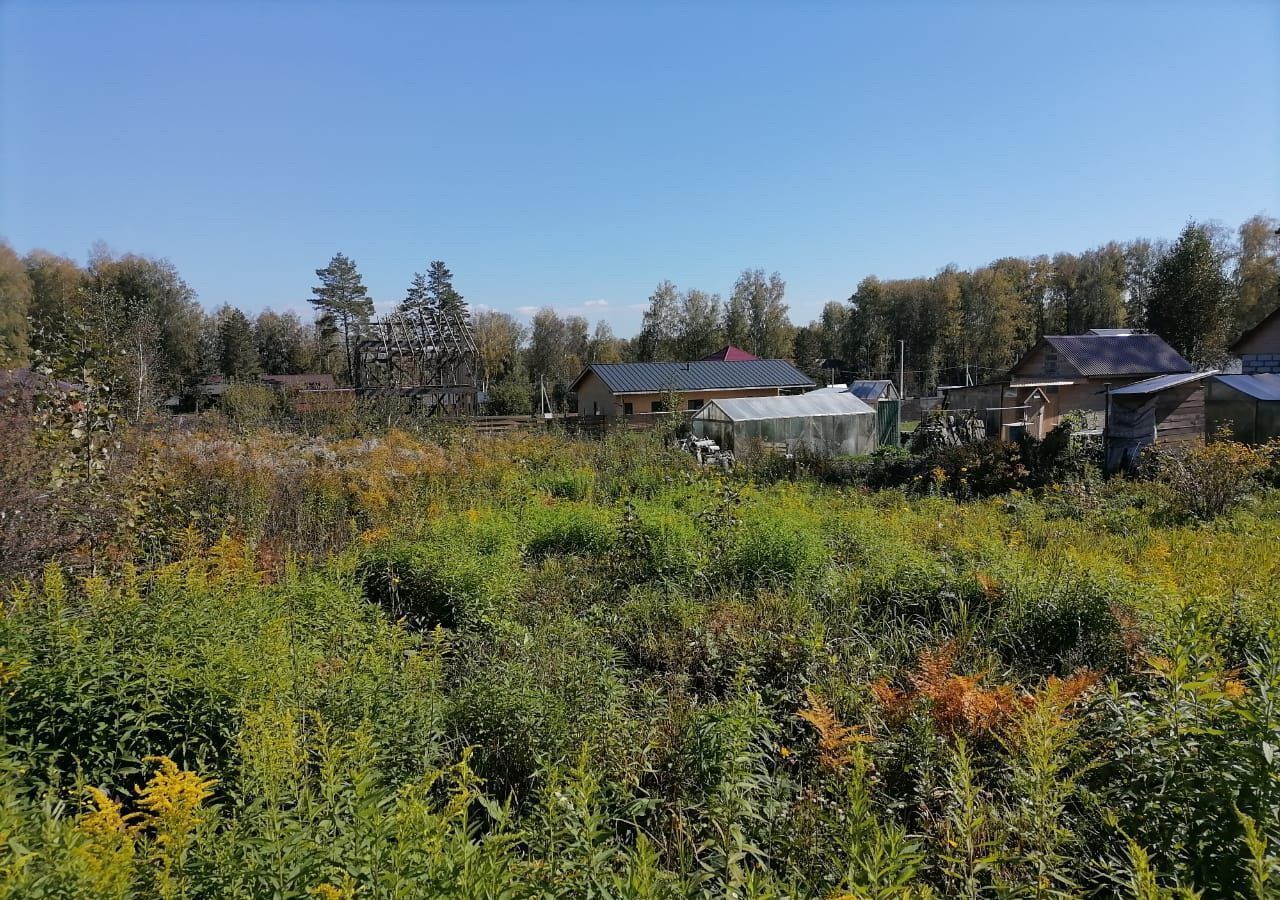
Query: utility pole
(544, 402)
(902, 355)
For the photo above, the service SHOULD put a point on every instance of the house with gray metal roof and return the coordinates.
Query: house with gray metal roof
(624, 389)
(1073, 372)
(1066, 373)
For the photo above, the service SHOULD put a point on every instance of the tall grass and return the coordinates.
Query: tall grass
(538, 667)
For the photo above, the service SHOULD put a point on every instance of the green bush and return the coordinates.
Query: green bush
(769, 547)
(665, 542)
(527, 700)
(247, 404)
(1074, 623)
(455, 578)
(572, 529)
(1207, 481)
(575, 484)
(508, 398)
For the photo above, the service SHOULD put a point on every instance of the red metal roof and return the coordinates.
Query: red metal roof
(729, 354)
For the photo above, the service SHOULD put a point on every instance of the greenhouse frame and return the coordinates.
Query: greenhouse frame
(1246, 405)
(829, 423)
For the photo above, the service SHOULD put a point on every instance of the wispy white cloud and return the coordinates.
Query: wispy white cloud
(585, 308)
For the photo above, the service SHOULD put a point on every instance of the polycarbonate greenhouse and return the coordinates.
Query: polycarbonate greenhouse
(829, 423)
(1246, 405)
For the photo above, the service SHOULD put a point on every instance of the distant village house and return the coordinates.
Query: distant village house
(626, 389)
(1067, 373)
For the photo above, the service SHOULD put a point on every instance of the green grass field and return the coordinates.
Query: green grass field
(537, 667)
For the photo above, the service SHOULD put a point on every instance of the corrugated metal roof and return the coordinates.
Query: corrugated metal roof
(817, 404)
(872, 390)
(1095, 355)
(865, 390)
(1261, 387)
(701, 375)
(1159, 383)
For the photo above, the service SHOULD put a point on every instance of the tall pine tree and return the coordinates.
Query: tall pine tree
(416, 297)
(237, 352)
(441, 292)
(343, 304)
(1191, 298)
(434, 290)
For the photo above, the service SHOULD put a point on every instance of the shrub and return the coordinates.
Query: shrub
(509, 399)
(884, 467)
(1206, 480)
(973, 470)
(890, 467)
(1269, 473)
(1072, 624)
(571, 529)
(775, 547)
(1191, 766)
(1060, 455)
(247, 404)
(575, 484)
(456, 579)
(663, 542)
(527, 699)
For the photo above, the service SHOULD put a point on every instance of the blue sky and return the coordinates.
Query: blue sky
(576, 154)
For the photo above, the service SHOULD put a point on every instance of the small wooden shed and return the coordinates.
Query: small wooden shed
(1167, 409)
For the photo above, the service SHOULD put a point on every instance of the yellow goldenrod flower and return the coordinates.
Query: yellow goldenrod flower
(173, 792)
(105, 818)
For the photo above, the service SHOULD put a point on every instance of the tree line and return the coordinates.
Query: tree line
(138, 315)
(1199, 292)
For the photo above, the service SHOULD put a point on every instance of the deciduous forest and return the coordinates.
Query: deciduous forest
(1199, 291)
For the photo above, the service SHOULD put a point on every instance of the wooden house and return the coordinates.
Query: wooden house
(626, 389)
(1066, 373)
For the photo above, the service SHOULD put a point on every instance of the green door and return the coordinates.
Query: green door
(888, 426)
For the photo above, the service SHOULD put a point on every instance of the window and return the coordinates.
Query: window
(626, 409)
(696, 403)
(1051, 364)
(659, 405)
(595, 408)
